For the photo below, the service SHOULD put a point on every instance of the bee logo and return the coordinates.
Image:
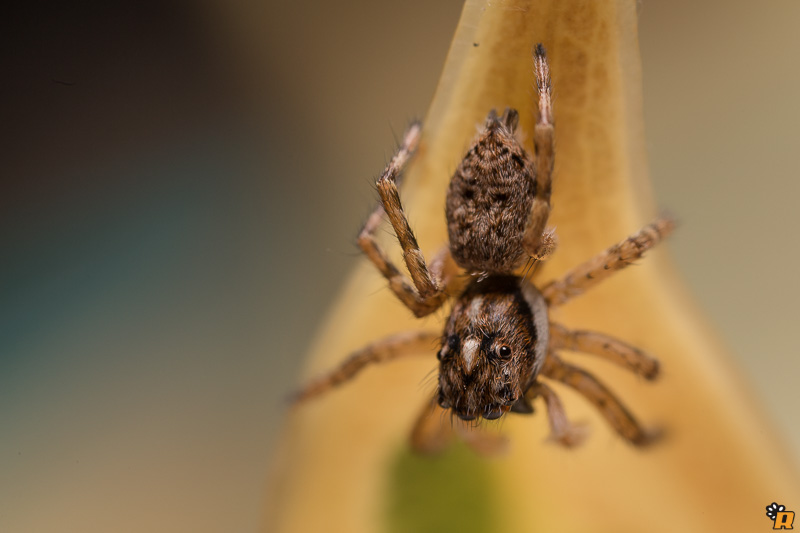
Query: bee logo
(781, 518)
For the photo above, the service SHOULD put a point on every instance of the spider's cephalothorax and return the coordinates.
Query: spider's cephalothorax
(489, 199)
(498, 342)
(494, 344)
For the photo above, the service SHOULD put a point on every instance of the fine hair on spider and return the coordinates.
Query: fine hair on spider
(498, 340)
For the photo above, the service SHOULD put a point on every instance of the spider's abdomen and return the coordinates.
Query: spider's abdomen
(489, 200)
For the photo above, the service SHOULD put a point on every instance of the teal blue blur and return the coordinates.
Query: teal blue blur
(126, 314)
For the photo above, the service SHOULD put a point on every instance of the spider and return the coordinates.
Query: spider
(498, 340)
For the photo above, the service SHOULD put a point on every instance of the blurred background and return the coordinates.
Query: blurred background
(181, 188)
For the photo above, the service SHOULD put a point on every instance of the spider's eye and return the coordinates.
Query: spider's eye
(451, 345)
(453, 342)
(504, 351)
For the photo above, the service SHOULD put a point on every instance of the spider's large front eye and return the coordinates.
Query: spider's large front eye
(504, 351)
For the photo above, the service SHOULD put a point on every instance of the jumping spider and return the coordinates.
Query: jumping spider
(498, 339)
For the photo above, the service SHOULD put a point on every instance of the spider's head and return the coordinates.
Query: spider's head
(492, 348)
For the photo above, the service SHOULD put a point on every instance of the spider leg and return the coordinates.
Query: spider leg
(431, 433)
(534, 241)
(609, 348)
(426, 294)
(393, 347)
(561, 429)
(604, 264)
(436, 428)
(609, 406)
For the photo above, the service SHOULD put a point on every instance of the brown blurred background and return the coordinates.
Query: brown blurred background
(181, 187)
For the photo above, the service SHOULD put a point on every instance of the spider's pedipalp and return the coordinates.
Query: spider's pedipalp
(431, 434)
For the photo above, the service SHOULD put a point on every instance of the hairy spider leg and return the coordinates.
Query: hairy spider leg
(562, 430)
(600, 267)
(604, 346)
(393, 347)
(536, 241)
(427, 294)
(609, 406)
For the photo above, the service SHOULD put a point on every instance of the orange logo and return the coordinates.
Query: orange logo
(781, 518)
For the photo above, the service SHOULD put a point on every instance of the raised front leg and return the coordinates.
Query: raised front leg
(425, 294)
(534, 241)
